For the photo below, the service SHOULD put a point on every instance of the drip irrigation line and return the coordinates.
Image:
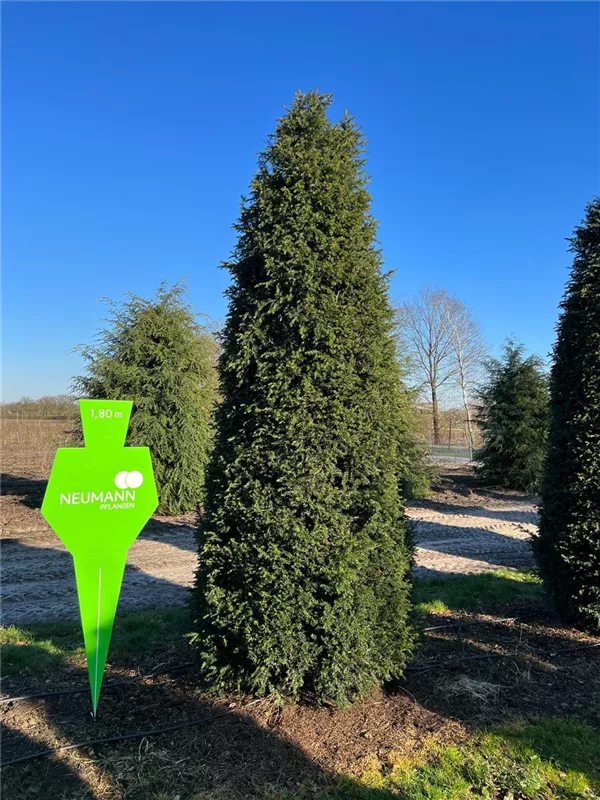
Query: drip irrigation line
(479, 622)
(122, 738)
(137, 678)
(479, 657)
(82, 689)
(407, 668)
(473, 622)
(198, 721)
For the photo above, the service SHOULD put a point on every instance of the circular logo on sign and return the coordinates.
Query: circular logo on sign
(129, 480)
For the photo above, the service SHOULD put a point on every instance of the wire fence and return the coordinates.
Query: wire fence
(450, 451)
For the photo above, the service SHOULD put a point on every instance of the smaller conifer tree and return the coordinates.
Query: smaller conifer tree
(155, 353)
(514, 420)
(568, 545)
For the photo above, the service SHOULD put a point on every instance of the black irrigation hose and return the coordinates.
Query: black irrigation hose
(457, 661)
(81, 689)
(481, 622)
(110, 739)
(408, 668)
(155, 731)
(473, 622)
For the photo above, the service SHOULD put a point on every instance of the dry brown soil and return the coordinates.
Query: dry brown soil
(464, 677)
(460, 529)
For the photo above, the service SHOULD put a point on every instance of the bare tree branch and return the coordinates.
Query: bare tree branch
(469, 351)
(443, 342)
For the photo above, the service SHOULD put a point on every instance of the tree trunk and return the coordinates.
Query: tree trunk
(469, 426)
(463, 388)
(435, 411)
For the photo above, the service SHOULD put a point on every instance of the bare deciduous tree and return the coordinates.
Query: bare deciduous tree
(469, 352)
(424, 329)
(444, 344)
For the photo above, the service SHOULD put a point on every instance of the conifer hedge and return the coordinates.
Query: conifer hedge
(568, 544)
(155, 353)
(304, 571)
(513, 418)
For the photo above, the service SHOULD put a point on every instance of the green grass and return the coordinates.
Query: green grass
(42, 648)
(554, 759)
(453, 451)
(486, 591)
(547, 760)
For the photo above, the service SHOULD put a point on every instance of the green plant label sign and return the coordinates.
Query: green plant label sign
(99, 497)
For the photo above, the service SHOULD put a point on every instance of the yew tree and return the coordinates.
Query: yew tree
(568, 544)
(303, 582)
(156, 353)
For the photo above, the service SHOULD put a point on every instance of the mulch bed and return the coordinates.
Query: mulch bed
(241, 746)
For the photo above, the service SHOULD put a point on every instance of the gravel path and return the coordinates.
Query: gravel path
(457, 531)
(472, 540)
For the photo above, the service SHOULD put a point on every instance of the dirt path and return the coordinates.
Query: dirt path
(37, 580)
(459, 530)
(465, 529)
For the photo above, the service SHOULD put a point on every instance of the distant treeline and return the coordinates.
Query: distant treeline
(64, 406)
(61, 406)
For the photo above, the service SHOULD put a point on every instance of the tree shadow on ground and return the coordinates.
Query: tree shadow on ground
(240, 749)
(510, 496)
(29, 490)
(476, 544)
(227, 753)
(481, 593)
(504, 515)
(465, 482)
(171, 531)
(176, 531)
(246, 749)
(38, 584)
(518, 662)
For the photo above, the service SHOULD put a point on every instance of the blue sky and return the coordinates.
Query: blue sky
(130, 131)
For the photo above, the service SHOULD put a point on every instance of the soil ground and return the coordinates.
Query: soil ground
(473, 669)
(460, 529)
(464, 528)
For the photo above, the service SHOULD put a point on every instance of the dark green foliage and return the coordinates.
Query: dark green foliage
(514, 421)
(303, 579)
(568, 545)
(416, 471)
(416, 483)
(156, 354)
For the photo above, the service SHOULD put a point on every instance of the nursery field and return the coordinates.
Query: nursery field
(459, 530)
(374, 570)
(501, 699)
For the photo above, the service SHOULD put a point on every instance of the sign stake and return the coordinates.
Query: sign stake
(99, 497)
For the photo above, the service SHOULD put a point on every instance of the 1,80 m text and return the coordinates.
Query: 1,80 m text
(105, 413)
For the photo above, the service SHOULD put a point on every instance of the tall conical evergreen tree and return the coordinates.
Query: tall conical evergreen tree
(568, 545)
(303, 579)
(155, 353)
(514, 421)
